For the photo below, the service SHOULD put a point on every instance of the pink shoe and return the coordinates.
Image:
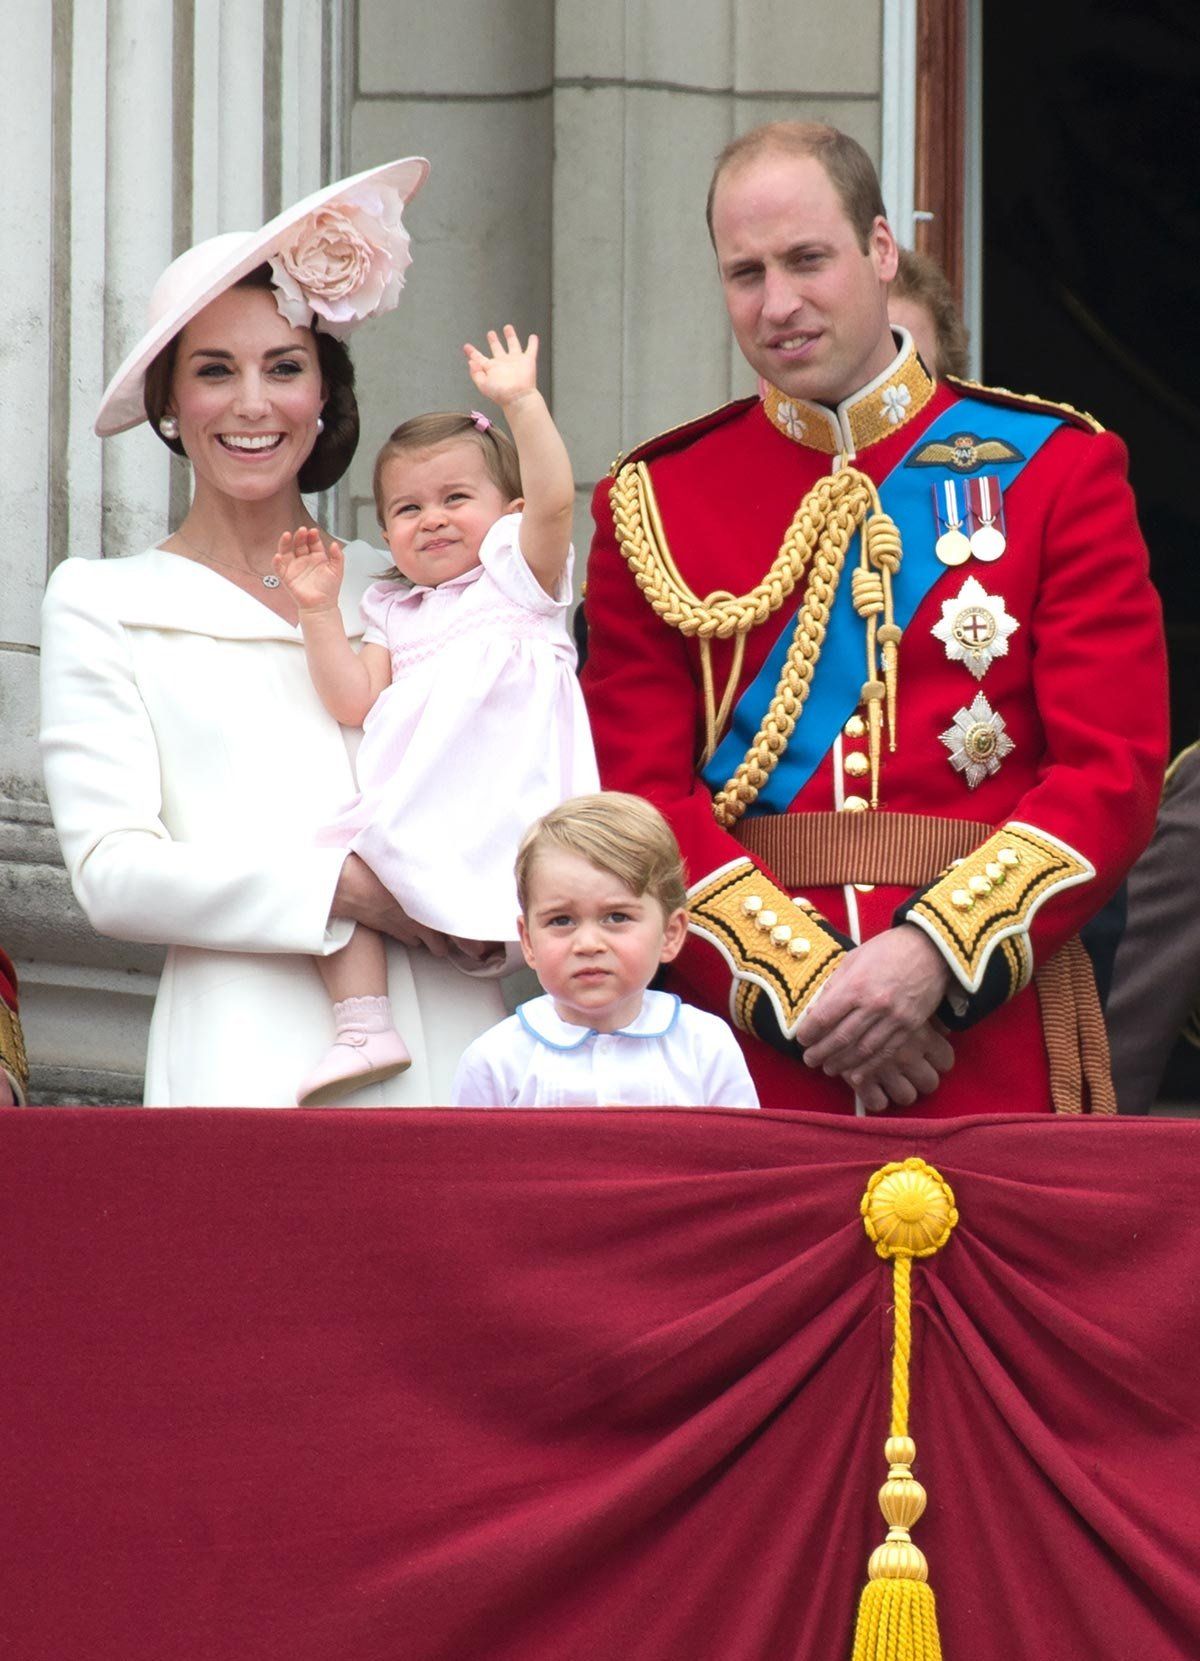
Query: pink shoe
(357, 1058)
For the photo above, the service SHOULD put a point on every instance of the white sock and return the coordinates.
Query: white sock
(365, 1014)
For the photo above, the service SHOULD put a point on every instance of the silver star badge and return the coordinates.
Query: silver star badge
(977, 741)
(975, 627)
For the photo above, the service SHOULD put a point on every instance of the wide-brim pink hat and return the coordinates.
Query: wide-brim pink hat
(338, 258)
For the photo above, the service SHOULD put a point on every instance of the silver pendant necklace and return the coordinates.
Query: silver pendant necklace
(270, 580)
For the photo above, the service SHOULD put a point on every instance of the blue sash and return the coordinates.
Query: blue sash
(907, 495)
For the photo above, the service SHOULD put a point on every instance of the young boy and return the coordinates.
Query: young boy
(603, 902)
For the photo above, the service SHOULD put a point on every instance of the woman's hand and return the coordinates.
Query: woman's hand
(361, 896)
(510, 374)
(7, 1098)
(311, 573)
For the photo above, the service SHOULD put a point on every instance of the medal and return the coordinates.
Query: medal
(952, 546)
(975, 627)
(985, 508)
(977, 741)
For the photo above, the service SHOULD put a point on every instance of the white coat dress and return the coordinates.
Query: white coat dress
(189, 764)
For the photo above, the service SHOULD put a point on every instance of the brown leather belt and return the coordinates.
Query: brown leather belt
(910, 850)
(822, 850)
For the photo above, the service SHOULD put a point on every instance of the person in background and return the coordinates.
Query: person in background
(921, 300)
(1155, 998)
(14, 1067)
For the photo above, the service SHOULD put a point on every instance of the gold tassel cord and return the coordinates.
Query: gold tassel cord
(814, 548)
(908, 1212)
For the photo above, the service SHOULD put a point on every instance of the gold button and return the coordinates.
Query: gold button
(1009, 857)
(855, 804)
(766, 919)
(962, 899)
(752, 904)
(995, 870)
(864, 887)
(856, 764)
(855, 727)
(781, 933)
(979, 885)
(799, 948)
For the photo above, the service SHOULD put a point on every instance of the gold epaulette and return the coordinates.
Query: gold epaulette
(12, 1047)
(1025, 400)
(674, 438)
(1177, 763)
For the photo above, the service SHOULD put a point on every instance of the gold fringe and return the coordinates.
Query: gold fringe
(12, 1046)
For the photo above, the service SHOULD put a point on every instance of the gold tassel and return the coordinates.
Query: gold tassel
(871, 697)
(908, 1211)
(882, 539)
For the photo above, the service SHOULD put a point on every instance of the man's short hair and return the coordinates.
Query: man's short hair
(923, 282)
(849, 168)
(618, 833)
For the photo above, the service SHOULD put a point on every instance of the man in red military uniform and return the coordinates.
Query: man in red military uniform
(14, 1070)
(886, 654)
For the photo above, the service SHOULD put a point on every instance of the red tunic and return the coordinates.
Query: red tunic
(1081, 691)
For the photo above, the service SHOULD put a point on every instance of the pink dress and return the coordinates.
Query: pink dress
(481, 730)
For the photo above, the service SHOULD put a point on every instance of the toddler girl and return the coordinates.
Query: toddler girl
(603, 903)
(464, 687)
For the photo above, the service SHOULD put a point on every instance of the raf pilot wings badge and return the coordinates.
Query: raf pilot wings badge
(964, 453)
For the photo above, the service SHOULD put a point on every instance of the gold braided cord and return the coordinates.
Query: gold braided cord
(902, 1348)
(816, 541)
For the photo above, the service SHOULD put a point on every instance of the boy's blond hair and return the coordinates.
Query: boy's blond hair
(617, 833)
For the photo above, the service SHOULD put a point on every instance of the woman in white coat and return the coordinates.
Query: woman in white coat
(188, 760)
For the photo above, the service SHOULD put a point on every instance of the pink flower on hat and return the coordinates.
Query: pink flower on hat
(344, 262)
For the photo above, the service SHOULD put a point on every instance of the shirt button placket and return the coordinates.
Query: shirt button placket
(604, 1059)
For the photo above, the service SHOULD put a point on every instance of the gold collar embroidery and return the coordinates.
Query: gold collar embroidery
(876, 411)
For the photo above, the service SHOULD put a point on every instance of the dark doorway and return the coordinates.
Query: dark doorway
(1091, 256)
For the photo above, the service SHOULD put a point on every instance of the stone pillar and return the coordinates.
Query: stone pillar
(468, 83)
(132, 128)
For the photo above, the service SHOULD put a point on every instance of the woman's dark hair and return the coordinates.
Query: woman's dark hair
(332, 453)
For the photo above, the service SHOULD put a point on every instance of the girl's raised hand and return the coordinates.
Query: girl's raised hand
(311, 573)
(511, 371)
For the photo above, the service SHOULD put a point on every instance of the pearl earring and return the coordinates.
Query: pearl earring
(320, 425)
(169, 427)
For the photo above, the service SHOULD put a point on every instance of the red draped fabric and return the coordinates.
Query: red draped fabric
(584, 1386)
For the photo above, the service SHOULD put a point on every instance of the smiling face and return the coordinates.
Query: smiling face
(437, 505)
(246, 390)
(592, 942)
(808, 306)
